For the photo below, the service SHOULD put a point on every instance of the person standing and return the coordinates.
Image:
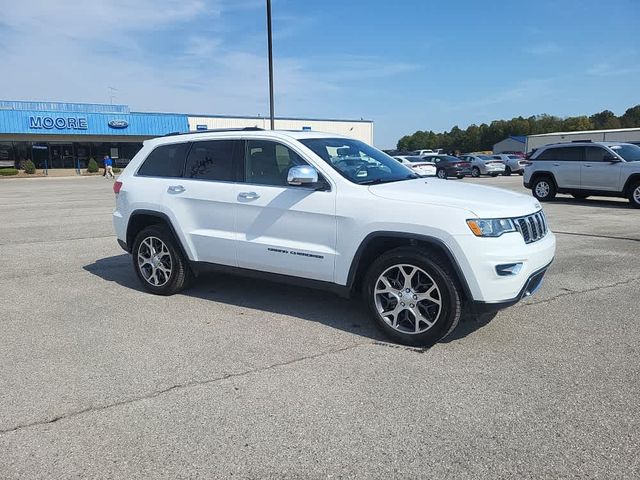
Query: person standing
(108, 167)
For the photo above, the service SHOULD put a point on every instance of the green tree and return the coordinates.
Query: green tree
(631, 117)
(604, 120)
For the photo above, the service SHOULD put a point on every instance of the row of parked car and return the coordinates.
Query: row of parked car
(468, 164)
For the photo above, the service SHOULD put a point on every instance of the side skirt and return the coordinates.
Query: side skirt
(205, 267)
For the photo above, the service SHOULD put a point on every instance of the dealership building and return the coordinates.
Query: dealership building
(67, 135)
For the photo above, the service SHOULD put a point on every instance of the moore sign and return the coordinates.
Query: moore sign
(59, 123)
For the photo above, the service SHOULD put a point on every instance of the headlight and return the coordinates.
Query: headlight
(493, 227)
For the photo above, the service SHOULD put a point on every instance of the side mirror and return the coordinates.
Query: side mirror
(302, 175)
(611, 158)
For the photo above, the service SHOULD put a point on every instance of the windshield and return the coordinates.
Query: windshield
(631, 153)
(357, 161)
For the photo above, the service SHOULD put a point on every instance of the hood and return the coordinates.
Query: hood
(485, 202)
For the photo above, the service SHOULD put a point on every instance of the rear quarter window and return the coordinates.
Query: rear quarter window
(165, 161)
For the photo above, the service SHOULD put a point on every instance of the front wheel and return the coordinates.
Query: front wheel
(412, 297)
(441, 173)
(634, 195)
(544, 189)
(158, 262)
(475, 172)
(507, 171)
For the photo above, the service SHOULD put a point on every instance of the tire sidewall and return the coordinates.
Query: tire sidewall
(177, 261)
(475, 172)
(450, 297)
(552, 189)
(441, 173)
(632, 200)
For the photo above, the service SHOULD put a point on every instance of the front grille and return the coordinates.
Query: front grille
(532, 227)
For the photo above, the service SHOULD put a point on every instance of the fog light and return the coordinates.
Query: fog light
(507, 269)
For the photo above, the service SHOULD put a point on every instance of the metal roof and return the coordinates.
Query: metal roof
(583, 132)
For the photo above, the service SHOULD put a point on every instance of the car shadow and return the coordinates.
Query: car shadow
(592, 202)
(299, 302)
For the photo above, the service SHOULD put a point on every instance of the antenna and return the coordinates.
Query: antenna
(112, 94)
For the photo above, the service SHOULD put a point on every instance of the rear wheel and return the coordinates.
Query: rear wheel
(158, 262)
(412, 297)
(441, 173)
(507, 171)
(634, 195)
(544, 189)
(475, 172)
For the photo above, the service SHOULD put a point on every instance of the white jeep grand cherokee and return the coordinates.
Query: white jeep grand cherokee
(333, 212)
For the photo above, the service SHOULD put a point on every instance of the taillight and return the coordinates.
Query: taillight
(116, 187)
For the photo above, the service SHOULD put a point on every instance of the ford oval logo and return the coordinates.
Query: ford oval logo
(118, 124)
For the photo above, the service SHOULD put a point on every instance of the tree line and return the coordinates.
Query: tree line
(483, 137)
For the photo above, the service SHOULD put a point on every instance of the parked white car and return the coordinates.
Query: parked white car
(484, 164)
(320, 210)
(513, 163)
(422, 167)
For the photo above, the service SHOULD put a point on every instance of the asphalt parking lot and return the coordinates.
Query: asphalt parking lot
(233, 378)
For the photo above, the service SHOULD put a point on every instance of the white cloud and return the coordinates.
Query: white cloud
(543, 48)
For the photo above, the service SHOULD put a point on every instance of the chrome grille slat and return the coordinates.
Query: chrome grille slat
(532, 227)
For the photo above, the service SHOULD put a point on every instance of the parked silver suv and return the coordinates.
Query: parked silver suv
(584, 168)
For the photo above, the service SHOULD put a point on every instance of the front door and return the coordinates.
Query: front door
(597, 173)
(290, 230)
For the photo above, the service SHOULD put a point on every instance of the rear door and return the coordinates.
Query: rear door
(564, 163)
(202, 203)
(290, 230)
(598, 173)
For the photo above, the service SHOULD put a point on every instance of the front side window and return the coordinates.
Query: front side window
(595, 154)
(212, 160)
(358, 162)
(268, 163)
(165, 161)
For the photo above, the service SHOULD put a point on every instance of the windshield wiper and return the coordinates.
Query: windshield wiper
(377, 181)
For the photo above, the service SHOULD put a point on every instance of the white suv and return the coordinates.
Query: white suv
(585, 168)
(332, 212)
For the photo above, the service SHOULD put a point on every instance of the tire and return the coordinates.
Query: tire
(507, 171)
(475, 172)
(460, 177)
(579, 196)
(544, 189)
(441, 173)
(424, 275)
(152, 268)
(634, 195)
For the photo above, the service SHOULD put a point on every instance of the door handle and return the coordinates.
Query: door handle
(176, 189)
(556, 164)
(249, 195)
(586, 165)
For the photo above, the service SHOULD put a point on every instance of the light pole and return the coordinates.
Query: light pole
(269, 39)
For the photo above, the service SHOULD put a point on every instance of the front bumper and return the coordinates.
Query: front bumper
(532, 286)
(479, 257)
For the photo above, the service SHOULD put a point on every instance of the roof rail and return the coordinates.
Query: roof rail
(240, 129)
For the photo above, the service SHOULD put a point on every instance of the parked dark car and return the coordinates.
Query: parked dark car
(449, 166)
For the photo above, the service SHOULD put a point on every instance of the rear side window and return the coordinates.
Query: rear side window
(562, 154)
(213, 160)
(165, 161)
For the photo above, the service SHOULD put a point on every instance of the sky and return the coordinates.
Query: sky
(406, 64)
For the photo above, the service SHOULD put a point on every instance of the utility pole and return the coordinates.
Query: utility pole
(269, 39)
